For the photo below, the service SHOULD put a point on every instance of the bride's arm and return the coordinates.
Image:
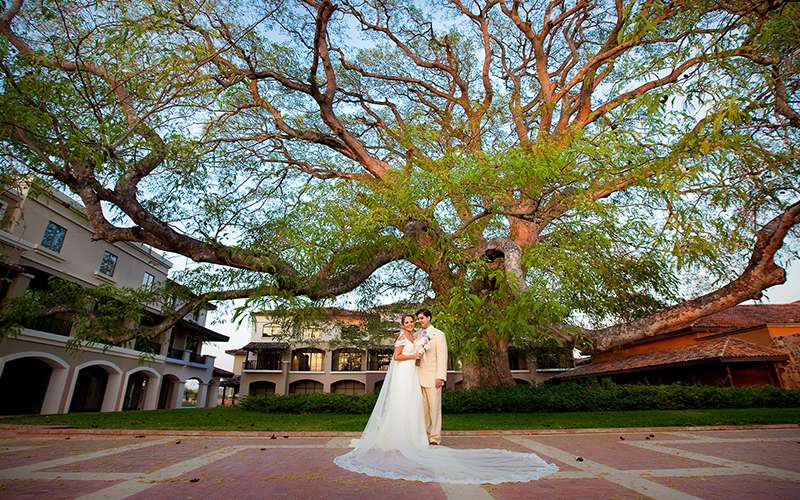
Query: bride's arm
(399, 356)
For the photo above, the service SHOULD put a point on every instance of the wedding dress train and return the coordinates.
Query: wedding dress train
(394, 443)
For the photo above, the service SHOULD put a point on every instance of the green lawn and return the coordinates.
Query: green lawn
(236, 419)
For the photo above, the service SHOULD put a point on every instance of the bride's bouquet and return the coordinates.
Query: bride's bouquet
(423, 343)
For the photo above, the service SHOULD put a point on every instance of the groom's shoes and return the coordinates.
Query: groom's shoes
(434, 443)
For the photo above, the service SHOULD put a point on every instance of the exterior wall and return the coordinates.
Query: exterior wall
(119, 362)
(79, 258)
(790, 371)
(22, 226)
(658, 345)
(331, 327)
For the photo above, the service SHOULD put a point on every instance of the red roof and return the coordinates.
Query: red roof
(744, 316)
(707, 351)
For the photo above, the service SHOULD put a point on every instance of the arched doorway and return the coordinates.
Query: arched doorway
(23, 386)
(167, 396)
(262, 388)
(90, 389)
(141, 390)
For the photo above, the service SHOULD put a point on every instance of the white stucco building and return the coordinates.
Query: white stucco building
(44, 234)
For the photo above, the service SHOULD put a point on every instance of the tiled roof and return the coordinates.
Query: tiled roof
(324, 312)
(219, 372)
(203, 331)
(720, 349)
(744, 316)
(256, 346)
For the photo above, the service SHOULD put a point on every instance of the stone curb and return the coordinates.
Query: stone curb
(50, 430)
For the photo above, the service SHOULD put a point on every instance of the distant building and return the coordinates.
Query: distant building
(44, 234)
(746, 345)
(317, 360)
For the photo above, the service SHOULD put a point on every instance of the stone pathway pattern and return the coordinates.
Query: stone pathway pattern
(751, 463)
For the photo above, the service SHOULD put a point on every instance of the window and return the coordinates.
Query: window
(348, 387)
(149, 280)
(262, 388)
(307, 360)
(53, 236)
(108, 263)
(312, 332)
(305, 387)
(3, 208)
(379, 359)
(347, 360)
(271, 330)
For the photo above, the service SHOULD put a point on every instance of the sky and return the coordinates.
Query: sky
(240, 334)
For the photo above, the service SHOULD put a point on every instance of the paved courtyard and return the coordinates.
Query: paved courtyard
(671, 463)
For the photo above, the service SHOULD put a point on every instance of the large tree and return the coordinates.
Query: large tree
(620, 166)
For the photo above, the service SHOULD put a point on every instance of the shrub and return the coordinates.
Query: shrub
(567, 397)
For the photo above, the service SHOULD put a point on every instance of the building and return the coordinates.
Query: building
(746, 345)
(44, 234)
(316, 359)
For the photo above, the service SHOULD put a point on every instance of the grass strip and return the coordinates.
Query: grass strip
(236, 419)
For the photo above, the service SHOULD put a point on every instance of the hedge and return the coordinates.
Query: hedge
(550, 398)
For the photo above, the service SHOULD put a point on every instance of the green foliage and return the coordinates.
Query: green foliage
(569, 397)
(655, 195)
(105, 315)
(310, 403)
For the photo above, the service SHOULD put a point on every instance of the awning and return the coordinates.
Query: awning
(720, 350)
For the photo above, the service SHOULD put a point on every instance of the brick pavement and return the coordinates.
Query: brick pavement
(639, 463)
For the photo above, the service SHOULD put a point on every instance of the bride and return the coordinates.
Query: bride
(394, 443)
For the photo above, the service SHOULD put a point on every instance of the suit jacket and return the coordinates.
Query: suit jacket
(433, 364)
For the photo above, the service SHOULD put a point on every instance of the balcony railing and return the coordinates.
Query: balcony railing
(196, 358)
(50, 324)
(175, 353)
(147, 346)
(262, 364)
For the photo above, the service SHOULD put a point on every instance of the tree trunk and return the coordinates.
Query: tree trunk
(490, 370)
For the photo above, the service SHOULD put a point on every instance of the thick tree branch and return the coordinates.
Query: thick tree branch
(760, 273)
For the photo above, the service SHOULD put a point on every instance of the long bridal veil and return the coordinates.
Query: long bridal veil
(394, 444)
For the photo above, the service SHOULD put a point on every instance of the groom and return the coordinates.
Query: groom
(432, 372)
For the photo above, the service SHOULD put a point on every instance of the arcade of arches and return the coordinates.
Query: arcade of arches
(42, 383)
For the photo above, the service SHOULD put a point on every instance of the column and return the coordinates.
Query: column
(19, 283)
(285, 377)
(212, 400)
(151, 397)
(202, 393)
(55, 391)
(178, 401)
(111, 399)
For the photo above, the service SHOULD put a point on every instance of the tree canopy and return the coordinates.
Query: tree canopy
(529, 165)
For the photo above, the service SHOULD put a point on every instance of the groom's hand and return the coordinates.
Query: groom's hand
(439, 383)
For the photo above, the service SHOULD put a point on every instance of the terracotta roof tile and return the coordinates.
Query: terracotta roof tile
(726, 348)
(255, 346)
(743, 316)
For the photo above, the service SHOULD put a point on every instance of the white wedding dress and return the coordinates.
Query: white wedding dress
(394, 443)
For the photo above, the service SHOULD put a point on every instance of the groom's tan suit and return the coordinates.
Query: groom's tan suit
(432, 366)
